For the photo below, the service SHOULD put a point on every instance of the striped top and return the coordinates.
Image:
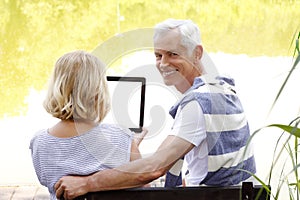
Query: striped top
(227, 130)
(105, 146)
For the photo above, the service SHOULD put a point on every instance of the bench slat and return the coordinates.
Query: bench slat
(246, 192)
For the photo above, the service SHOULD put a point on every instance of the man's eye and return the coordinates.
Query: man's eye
(173, 54)
(157, 56)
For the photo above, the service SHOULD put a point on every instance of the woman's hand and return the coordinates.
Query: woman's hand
(138, 137)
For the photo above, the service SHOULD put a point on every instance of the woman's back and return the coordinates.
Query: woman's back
(104, 146)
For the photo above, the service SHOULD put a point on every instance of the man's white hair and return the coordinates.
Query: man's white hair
(190, 33)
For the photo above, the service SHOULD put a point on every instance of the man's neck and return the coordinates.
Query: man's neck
(185, 85)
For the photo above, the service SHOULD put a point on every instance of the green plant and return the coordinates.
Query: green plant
(289, 144)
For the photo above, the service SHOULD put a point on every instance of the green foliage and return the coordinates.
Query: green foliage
(290, 129)
(35, 33)
(290, 145)
(296, 62)
(286, 175)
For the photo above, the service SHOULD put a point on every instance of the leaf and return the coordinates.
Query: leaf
(288, 128)
(296, 184)
(265, 186)
(297, 43)
(295, 170)
(297, 59)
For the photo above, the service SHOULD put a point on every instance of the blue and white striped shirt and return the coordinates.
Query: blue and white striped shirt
(105, 146)
(227, 130)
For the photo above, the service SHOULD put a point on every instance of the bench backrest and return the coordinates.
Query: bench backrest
(245, 192)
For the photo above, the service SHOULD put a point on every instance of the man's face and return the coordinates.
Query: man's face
(173, 61)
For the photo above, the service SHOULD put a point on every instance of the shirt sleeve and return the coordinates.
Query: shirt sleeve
(35, 156)
(189, 123)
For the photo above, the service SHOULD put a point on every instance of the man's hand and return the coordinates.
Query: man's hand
(70, 187)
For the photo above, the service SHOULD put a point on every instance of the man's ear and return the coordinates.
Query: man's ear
(198, 52)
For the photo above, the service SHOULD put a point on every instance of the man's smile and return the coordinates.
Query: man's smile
(168, 73)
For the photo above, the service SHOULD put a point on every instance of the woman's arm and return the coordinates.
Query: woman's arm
(138, 138)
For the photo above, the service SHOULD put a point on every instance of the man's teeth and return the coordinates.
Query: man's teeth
(168, 73)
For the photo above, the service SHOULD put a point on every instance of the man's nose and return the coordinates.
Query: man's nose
(163, 62)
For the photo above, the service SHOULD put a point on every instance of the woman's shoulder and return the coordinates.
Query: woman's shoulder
(39, 137)
(40, 134)
(115, 128)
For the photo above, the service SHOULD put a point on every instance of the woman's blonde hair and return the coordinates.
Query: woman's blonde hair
(78, 88)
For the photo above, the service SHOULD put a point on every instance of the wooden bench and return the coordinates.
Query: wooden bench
(245, 192)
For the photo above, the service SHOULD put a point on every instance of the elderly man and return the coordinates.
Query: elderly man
(210, 129)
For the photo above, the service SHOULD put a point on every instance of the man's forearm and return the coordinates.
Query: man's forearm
(142, 171)
(124, 177)
(130, 176)
(134, 174)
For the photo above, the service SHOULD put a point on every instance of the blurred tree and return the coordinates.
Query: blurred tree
(35, 33)
(13, 63)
